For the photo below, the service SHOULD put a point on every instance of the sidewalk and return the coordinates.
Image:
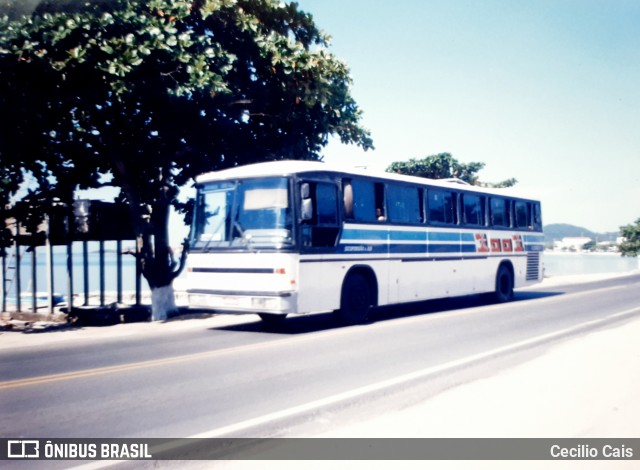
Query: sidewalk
(42, 333)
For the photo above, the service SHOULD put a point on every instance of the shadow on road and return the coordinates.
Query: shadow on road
(301, 324)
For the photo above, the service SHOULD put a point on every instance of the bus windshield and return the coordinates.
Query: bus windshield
(247, 214)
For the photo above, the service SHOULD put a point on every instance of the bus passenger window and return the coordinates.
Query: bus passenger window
(522, 214)
(441, 207)
(473, 209)
(381, 213)
(499, 212)
(404, 204)
(537, 217)
(327, 203)
(322, 227)
(362, 198)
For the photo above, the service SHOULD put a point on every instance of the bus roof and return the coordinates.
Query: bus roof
(299, 167)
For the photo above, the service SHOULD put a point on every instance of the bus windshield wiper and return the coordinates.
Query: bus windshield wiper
(246, 239)
(205, 248)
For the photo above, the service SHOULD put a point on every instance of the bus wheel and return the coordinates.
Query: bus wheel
(504, 284)
(273, 318)
(356, 299)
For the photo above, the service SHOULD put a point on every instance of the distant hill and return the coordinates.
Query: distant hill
(554, 232)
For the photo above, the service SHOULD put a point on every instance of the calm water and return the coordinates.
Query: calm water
(564, 264)
(60, 277)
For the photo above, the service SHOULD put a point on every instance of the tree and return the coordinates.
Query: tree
(630, 246)
(442, 166)
(144, 95)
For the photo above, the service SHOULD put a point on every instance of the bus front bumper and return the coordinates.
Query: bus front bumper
(243, 302)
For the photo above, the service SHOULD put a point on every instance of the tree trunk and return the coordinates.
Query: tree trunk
(163, 303)
(151, 223)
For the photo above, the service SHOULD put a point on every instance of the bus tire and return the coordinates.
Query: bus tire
(356, 299)
(504, 284)
(273, 318)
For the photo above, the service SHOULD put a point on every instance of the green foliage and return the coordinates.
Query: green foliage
(443, 166)
(631, 244)
(152, 93)
(439, 166)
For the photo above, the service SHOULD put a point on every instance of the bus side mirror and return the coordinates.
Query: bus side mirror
(306, 206)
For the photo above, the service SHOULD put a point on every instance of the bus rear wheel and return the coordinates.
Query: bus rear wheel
(504, 284)
(356, 299)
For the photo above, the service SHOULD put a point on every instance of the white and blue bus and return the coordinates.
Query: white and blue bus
(302, 237)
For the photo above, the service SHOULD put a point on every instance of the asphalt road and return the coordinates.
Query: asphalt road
(237, 377)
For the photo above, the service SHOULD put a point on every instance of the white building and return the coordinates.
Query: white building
(571, 243)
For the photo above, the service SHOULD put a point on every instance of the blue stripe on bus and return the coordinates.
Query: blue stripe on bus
(402, 235)
(534, 248)
(361, 234)
(400, 248)
(398, 235)
(444, 248)
(365, 234)
(397, 248)
(534, 239)
(361, 248)
(356, 240)
(444, 237)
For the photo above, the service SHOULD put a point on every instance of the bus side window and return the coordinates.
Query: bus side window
(321, 223)
(363, 200)
(523, 218)
(442, 207)
(403, 204)
(473, 209)
(499, 212)
(537, 217)
(380, 203)
(327, 203)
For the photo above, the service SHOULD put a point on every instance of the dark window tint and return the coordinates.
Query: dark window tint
(364, 200)
(522, 213)
(403, 204)
(441, 206)
(537, 217)
(473, 209)
(319, 210)
(327, 202)
(499, 212)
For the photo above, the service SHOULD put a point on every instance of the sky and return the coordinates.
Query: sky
(544, 91)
